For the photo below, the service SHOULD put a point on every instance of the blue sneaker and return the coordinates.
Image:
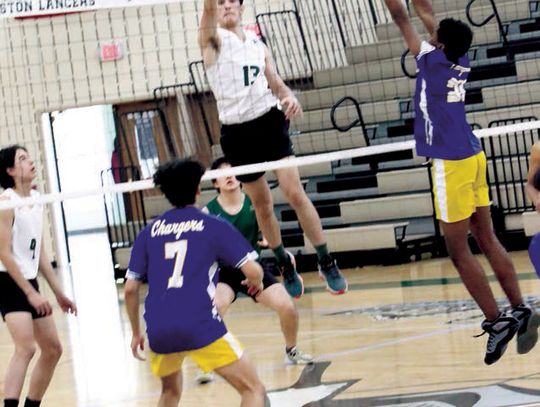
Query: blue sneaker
(336, 284)
(291, 279)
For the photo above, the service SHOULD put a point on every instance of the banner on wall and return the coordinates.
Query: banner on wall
(36, 8)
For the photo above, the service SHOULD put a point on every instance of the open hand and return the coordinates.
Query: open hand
(67, 305)
(137, 344)
(291, 107)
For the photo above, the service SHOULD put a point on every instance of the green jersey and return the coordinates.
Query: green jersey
(245, 220)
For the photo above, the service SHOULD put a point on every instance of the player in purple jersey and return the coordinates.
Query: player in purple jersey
(178, 254)
(460, 186)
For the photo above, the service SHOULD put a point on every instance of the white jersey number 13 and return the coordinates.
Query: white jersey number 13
(176, 250)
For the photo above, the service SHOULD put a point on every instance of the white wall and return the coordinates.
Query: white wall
(51, 64)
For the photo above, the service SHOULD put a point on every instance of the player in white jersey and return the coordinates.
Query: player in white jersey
(26, 312)
(255, 107)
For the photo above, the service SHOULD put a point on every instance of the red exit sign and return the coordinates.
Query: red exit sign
(108, 52)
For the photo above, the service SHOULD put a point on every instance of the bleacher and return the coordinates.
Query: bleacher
(383, 203)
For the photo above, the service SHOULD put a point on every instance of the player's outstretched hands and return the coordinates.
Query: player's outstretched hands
(66, 304)
(137, 343)
(291, 107)
(40, 303)
(253, 290)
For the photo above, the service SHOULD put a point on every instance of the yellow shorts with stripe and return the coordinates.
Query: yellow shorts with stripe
(221, 353)
(459, 186)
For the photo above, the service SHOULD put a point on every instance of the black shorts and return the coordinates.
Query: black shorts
(234, 277)
(263, 139)
(13, 299)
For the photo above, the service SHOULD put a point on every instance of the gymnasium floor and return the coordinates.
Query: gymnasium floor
(402, 336)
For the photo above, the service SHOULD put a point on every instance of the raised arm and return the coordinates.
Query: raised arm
(209, 40)
(401, 18)
(291, 105)
(424, 10)
(534, 167)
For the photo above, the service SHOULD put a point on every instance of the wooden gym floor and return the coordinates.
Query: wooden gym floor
(402, 336)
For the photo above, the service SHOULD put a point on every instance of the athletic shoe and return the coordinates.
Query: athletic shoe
(529, 321)
(328, 270)
(295, 356)
(203, 378)
(501, 330)
(291, 279)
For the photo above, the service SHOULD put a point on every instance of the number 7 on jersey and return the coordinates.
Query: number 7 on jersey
(176, 250)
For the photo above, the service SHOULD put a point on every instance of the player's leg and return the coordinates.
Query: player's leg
(290, 185)
(275, 297)
(499, 259)
(469, 269)
(171, 390)
(242, 375)
(168, 367)
(455, 203)
(500, 326)
(225, 357)
(224, 297)
(482, 230)
(21, 329)
(50, 348)
(261, 198)
(289, 182)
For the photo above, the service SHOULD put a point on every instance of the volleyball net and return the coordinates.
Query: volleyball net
(508, 144)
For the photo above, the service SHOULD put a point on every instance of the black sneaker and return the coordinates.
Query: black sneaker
(335, 282)
(291, 279)
(501, 330)
(529, 321)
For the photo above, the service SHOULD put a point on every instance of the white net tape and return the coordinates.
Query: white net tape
(265, 166)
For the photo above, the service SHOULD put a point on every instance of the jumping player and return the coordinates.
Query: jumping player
(459, 173)
(255, 107)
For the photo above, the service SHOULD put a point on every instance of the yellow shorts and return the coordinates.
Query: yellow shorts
(221, 353)
(460, 186)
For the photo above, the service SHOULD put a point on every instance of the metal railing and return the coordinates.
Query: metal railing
(358, 121)
(508, 166)
(314, 34)
(495, 14)
(283, 33)
(196, 91)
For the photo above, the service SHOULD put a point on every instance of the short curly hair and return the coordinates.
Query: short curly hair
(179, 181)
(456, 36)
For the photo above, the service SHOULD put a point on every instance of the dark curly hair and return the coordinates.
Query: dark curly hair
(456, 36)
(179, 181)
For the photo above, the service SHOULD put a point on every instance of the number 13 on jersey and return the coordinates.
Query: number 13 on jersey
(177, 251)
